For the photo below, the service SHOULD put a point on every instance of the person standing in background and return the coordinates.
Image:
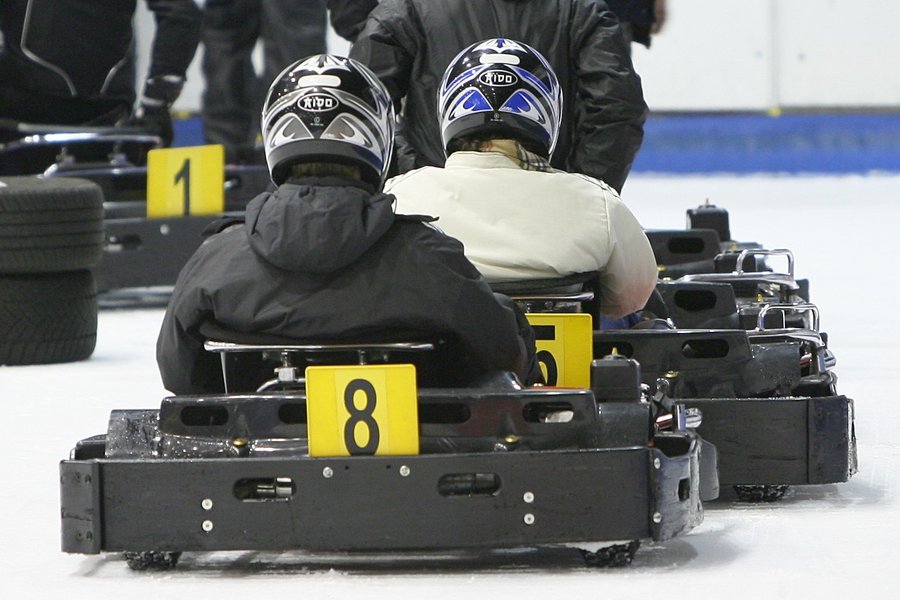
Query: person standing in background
(639, 19)
(234, 93)
(71, 62)
(409, 43)
(348, 17)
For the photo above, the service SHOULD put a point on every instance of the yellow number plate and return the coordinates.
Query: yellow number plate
(185, 181)
(565, 347)
(368, 409)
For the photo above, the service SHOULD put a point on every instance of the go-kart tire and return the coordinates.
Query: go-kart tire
(153, 560)
(50, 225)
(47, 318)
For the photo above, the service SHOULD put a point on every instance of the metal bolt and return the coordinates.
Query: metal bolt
(207, 504)
(671, 374)
(528, 518)
(656, 463)
(164, 229)
(511, 439)
(207, 526)
(327, 473)
(528, 497)
(404, 471)
(239, 442)
(657, 518)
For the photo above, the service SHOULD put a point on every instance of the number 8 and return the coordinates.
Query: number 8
(363, 415)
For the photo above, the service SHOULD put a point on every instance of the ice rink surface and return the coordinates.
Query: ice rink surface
(833, 541)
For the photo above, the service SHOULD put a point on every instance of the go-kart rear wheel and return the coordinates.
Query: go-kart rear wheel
(616, 555)
(760, 493)
(50, 224)
(151, 560)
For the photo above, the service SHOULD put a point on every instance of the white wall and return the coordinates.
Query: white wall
(737, 55)
(763, 54)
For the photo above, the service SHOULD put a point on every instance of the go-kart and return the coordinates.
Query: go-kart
(310, 459)
(141, 251)
(744, 346)
(740, 341)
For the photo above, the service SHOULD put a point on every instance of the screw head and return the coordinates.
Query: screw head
(207, 504)
(327, 473)
(404, 471)
(656, 463)
(657, 518)
(528, 518)
(528, 497)
(207, 526)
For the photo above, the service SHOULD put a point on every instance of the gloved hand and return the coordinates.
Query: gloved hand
(156, 120)
(156, 101)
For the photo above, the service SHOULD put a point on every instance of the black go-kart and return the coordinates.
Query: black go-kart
(139, 251)
(491, 465)
(734, 335)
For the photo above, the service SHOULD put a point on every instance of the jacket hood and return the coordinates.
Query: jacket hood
(317, 225)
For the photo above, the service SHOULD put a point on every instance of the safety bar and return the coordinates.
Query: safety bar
(788, 308)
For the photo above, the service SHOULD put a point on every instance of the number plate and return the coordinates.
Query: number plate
(565, 347)
(359, 410)
(185, 181)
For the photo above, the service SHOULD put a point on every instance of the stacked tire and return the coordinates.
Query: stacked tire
(51, 236)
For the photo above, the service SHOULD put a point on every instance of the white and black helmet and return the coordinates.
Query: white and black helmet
(328, 108)
(501, 86)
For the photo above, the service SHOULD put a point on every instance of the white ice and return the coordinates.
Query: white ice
(819, 542)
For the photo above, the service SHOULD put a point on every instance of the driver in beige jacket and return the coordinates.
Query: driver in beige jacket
(517, 217)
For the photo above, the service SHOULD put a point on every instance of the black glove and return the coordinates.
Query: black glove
(155, 120)
(156, 101)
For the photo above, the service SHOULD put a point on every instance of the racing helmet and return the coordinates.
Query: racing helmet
(501, 86)
(328, 108)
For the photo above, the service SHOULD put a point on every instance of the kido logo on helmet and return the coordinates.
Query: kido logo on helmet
(317, 102)
(498, 78)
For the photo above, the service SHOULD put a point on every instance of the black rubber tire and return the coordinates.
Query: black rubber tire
(47, 318)
(50, 224)
(153, 560)
(760, 493)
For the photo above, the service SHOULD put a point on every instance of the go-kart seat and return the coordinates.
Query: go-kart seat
(253, 361)
(31, 148)
(573, 293)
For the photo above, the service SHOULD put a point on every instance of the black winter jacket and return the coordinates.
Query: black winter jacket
(325, 259)
(409, 44)
(639, 13)
(78, 53)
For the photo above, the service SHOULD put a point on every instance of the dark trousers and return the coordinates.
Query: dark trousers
(234, 94)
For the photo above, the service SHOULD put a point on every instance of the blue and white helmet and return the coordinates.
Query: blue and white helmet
(501, 86)
(328, 108)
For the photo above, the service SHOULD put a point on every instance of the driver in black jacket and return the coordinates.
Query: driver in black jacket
(409, 43)
(324, 258)
(70, 62)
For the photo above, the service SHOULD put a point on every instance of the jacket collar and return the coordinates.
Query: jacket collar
(331, 181)
(481, 160)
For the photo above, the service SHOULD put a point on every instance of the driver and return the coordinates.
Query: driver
(499, 110)
(324, 257)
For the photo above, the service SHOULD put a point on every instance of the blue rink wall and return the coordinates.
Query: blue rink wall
(744, 143)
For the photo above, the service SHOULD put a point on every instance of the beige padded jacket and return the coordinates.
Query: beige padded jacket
(518, 225)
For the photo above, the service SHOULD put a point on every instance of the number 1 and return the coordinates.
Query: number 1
(184, 174)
